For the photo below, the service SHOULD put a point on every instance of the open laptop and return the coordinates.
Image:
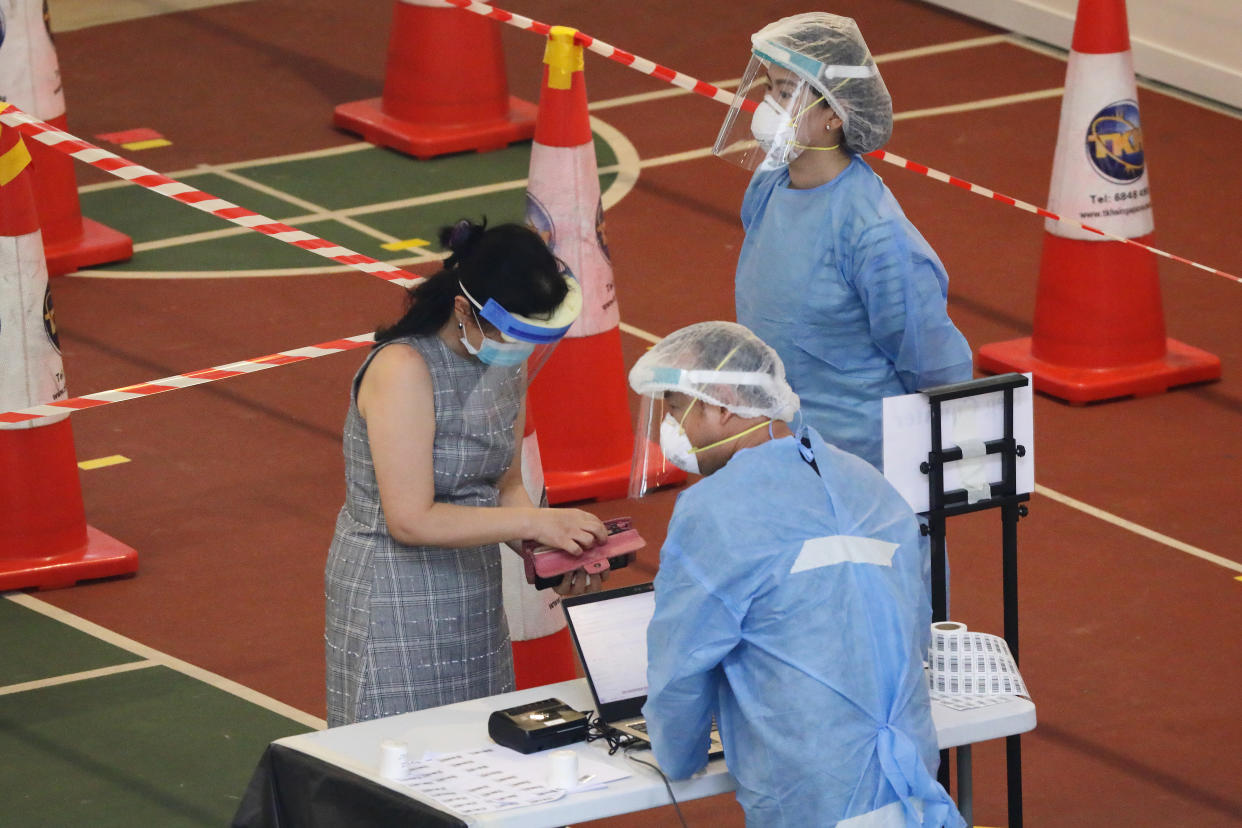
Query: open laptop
(609, 629)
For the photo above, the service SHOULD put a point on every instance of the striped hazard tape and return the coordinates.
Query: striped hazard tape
(114, 164)
(707, 90)
(609, 51)
(159, 386)
(914, 166)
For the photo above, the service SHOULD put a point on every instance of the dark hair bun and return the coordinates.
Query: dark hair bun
(460, 238)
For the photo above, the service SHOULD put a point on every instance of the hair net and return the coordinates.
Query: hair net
(722, 363)
(828, 51)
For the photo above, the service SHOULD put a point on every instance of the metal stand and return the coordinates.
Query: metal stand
(1003, 495)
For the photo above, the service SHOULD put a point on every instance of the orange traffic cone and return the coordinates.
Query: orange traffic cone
(1099, 324)
(543, 652)
(580, 395)
(44, 539)
(30, 80)
(444, 86)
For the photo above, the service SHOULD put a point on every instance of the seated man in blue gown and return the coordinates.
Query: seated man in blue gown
(790, 602)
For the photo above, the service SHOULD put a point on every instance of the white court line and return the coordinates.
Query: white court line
(322, 213)
(890, 57)
(165, 660)
(639, 332)
(69, 678)
(309, 155)
(1141, 531)
(983, 103)
(173, 275)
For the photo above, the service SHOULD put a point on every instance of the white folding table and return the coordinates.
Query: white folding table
(356, 749)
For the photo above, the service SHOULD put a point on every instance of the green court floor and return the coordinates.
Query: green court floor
(148, 746)
(361, 198)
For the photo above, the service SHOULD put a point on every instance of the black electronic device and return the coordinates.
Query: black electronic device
(537, 726)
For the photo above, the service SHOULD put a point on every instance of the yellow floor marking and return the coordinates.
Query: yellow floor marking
(101, 462)
(152, 144)
(405, 245)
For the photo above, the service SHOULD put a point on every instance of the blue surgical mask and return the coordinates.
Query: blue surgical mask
(492, 352)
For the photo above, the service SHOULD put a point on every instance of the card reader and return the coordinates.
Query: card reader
(537, 726)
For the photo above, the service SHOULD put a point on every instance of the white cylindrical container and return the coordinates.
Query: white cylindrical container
(392, 759)
(563, 772)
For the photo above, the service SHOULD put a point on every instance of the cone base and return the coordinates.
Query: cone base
(604, 483)
(546, 660)
(102, 557)
(367, 118)
(98, 244)
(1182, 364)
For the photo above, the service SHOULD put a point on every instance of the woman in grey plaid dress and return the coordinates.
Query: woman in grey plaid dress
(414, 616)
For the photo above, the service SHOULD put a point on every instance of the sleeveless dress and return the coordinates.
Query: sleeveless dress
(407, 627)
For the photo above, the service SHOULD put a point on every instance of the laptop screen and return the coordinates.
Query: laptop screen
(610, 631)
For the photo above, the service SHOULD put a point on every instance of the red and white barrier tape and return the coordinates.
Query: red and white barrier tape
(146, 389)
(914, 166)
(609, 51)
(707, 90)
(114, 164)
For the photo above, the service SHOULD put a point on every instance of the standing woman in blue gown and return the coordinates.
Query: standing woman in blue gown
(831, 273)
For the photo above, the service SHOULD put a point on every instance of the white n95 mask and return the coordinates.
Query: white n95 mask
(675, 444)
(769, 122)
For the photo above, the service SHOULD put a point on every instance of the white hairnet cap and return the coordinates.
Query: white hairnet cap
(722, 363)
(828, 51)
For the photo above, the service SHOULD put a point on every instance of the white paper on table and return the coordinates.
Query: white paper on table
(495, 779)
(907, 441)
(961, 663)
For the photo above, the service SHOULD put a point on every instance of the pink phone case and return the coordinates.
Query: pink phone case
(548, 562)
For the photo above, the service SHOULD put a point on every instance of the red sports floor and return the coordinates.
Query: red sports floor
(1128, 621)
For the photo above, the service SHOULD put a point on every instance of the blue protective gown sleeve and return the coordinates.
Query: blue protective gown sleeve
(904, 292)
(689, 636)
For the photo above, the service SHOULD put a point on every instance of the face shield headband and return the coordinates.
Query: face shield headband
(828, 78)
(518, 328)
(661, 446)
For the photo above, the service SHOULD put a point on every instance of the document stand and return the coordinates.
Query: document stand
(943, 505)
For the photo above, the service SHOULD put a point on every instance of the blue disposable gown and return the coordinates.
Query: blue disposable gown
(850, 295)
(793, 607)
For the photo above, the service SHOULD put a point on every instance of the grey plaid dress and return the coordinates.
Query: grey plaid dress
(414, 627)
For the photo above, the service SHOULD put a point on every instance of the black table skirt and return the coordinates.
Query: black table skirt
(290, 789)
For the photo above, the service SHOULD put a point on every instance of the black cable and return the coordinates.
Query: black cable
(667, 786)
(599, 729)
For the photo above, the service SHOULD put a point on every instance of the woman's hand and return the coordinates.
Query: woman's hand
(579, 582)
(570, 529)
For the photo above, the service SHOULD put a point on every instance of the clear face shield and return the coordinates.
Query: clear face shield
(764, 127)
(650, 468)
(663, 453)
(525, 341)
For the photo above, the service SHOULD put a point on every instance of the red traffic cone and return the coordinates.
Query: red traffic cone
(44, 539)
(1099, 324)
(543, 652)
(30, 80)
(580, 395)
(444, 86)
